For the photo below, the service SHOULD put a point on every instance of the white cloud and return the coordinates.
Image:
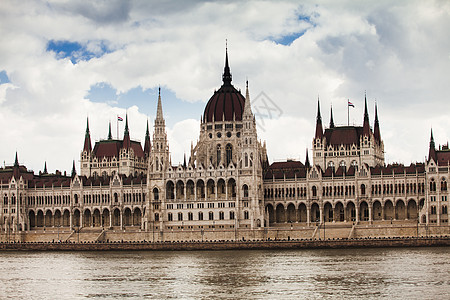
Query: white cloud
(397, 52)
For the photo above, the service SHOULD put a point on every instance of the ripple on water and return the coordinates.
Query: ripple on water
(307, 274)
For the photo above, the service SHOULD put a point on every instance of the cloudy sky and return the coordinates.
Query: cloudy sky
(61, 61)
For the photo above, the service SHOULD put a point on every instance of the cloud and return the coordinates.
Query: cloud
(65, 60)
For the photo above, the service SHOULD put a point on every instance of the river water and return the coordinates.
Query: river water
(400, 273)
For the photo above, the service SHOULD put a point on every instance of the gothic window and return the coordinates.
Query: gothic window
(432, 185)
(211, 215)
(231, 215)
(251, 159)
(190, 216)
(314, 191)
(444, 210)
(245, 188)
(180, 216)
(156, 217)
(443, 184)
(155, 194)
(169, 217)
(363, 189)
(246, 160)
(169, 190)
(221, 215)
(200, 216)
(156, 164)
(246, 215)
(229, 152)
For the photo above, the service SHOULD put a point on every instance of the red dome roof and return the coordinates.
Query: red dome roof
(226, 103)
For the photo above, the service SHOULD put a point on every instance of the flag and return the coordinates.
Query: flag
(350, 104)
(119, 119)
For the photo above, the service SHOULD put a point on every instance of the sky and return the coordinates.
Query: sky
(63, 61)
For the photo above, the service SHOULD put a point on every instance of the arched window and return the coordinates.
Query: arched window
(363, 189)
(156, 194)
(314, 191)
(245, 189)
(443, 184)
(231, 215)
(156, 164)
(246, 160)
(180, 216)
(169, 217)
(432, 185)
(211, 215)
(229, 152)
(221, 215)
(200, 216)
(246, 215)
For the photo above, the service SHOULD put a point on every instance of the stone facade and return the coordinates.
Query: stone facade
(227, 185)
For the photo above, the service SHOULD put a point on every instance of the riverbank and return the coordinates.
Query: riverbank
(442, 241)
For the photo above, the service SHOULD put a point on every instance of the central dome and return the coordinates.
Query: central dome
(227, 104)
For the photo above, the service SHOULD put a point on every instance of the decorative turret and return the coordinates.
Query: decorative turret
(331, 118)
(319, 129)
(87, 139)
(147, 144)
(376, 127)
(160, 146)
(366, 126)
(432, 150)
(126, 135)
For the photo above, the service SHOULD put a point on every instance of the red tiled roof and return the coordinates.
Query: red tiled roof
(111, 148)
(346, 135)
(443, 157)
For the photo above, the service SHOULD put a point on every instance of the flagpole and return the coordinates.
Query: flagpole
(348, 113)
(117, 120)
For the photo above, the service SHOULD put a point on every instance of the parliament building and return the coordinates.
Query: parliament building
(227, 184)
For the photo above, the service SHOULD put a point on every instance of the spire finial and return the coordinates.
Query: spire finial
(45, 167)
(319, 129)
(126, 124)
(226, 72)
(159, 112)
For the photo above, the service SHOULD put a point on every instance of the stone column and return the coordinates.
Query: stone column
(370, 212)
(308, 215)
(357, 213)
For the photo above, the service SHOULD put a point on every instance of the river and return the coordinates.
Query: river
(394, 273)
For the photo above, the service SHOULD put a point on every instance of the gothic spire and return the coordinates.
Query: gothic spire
(74, 171)
(87, 138)
(109, 133)
(45, 168)
(16, 161)
(126, 134)
(366, 126)
(331, 118)
(16, 170)
(159, 112)
(376, 127)
(307, 164)
(247, 104)
(147, 145)
(432, 150)
(319, 129)
(226, 71)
